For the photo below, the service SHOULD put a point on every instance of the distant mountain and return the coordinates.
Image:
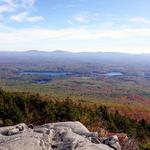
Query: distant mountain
(60, 51)
(39, 51)
(81, 57)
(35, 51)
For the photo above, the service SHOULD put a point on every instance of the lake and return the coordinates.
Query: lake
(111, 74)
(45, 73)
(59, 74)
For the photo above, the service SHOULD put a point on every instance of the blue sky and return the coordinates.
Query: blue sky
(75, 25)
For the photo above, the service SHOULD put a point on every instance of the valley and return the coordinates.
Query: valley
(98, 78)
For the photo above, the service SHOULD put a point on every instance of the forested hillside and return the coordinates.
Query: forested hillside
(36, 109)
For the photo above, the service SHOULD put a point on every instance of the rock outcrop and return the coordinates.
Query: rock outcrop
(57, 136)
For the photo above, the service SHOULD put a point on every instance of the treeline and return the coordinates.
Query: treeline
(31, 108)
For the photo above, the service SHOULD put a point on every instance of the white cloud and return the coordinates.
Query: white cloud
(70, 34)
(14, 5)
(28, 3)
(75, 38)
(140, 20)
(1, 18)
(7, 6)
(84, 17)
(80, 18)
(25, 17)
(67, 6)
(20, 7)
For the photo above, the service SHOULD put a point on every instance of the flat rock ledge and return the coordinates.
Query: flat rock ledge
(54, 136)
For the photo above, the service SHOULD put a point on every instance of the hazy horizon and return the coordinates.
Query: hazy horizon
(69, 51)
(77, 26)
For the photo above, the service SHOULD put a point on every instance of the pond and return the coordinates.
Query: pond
(59, 74)
(111, 74)
(45, 73)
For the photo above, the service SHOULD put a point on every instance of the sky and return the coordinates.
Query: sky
(75, 25)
